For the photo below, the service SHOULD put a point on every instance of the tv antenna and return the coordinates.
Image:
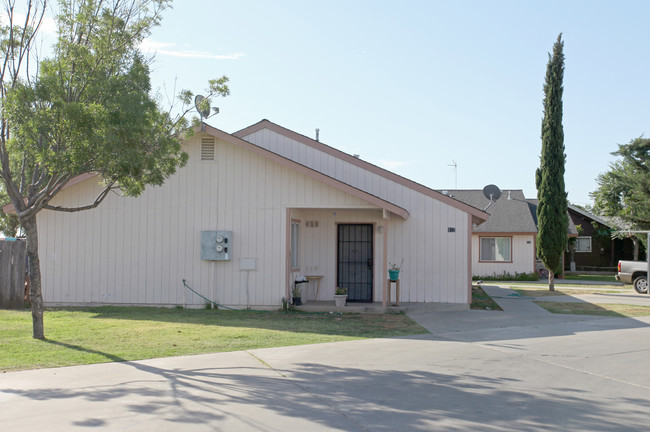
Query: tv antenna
(203, 107)
(455, 173)
(491, 192)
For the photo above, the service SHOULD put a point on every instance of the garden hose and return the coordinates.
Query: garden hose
(210, 301)
(241, 310)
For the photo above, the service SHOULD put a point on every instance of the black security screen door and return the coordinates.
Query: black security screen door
(354, 261)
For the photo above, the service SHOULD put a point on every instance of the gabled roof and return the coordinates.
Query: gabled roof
(237, 138)
(591, 216)
(372, 199)
(572, 230)
(509, 214)
(381, 203)
(478, 216)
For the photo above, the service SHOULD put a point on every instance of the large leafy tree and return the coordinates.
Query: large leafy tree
(85, 110)
(552, 207)
(623, 193)
(9, 224)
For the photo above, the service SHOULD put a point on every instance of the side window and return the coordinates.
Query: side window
(496, 249)
(583, 244)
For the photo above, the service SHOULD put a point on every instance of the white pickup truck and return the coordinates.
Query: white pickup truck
(634, 272)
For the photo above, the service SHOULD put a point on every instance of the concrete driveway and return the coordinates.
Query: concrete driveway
(520, 369)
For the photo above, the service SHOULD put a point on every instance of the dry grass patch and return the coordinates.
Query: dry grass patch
(566, 291)
(601, 309)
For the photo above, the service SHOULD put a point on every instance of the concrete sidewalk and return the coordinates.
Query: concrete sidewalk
(503, 294)
(521, 369)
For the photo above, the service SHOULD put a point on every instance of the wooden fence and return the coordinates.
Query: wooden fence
(12, 274)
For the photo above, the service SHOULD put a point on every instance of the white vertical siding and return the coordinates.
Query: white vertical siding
(138, 250)
(331, 166)
(450, 255)
(523, 255)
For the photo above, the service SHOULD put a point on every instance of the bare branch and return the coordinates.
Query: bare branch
(103, 194)
(53, 187)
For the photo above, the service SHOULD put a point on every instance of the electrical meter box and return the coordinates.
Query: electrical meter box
(216, 245)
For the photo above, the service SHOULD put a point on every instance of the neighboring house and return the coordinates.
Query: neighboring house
(595, 249)
(506, 242)
(249, 212)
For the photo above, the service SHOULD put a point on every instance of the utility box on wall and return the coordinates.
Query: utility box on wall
(216, 245)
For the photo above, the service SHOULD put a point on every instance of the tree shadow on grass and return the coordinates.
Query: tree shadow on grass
(107, 356)
(352, 324)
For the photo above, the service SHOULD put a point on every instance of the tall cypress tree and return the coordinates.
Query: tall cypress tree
(552, 216)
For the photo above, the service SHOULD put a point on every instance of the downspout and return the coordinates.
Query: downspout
(469, 258)
(287, 256)
(384, 279)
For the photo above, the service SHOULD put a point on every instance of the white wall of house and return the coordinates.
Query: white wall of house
(332, 166)
(523, 256)
(138, 250)
(435, 260)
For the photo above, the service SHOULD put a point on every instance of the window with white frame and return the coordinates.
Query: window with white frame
(497, 249)
(295, 244)
(583, 244)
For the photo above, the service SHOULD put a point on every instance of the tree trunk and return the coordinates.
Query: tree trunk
(635, 241)
(35, 292)
(551, 281)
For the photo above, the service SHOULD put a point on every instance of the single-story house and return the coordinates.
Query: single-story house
(595, 249)
(506, 243)
(250, 212)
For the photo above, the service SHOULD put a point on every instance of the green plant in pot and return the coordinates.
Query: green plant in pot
(296, 293)
(394, 269)
(340, 296)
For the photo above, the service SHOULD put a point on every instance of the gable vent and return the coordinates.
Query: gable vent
(208, 149)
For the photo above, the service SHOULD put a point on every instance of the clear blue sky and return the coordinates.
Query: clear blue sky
(414, 85)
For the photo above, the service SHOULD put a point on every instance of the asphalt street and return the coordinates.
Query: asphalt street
(522, 369)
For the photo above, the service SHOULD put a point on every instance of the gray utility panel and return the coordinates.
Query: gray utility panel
(216, 245)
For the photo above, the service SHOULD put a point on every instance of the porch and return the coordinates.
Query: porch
(342, 247)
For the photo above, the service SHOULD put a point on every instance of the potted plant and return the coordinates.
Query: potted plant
(340, 296)
(394, 269)
(296, 293)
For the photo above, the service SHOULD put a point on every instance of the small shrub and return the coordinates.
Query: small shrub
(509, 277)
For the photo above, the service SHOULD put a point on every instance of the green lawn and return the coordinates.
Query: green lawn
(614, 310)
(535, 291)
(591, 277)
(106, 334)
(482, 301)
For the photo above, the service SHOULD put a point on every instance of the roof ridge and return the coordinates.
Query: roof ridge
(433, 193)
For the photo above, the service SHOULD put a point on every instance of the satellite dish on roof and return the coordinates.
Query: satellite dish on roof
(202, 107)
(491, 192)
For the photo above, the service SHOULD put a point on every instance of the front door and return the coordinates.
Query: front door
(354, 261)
